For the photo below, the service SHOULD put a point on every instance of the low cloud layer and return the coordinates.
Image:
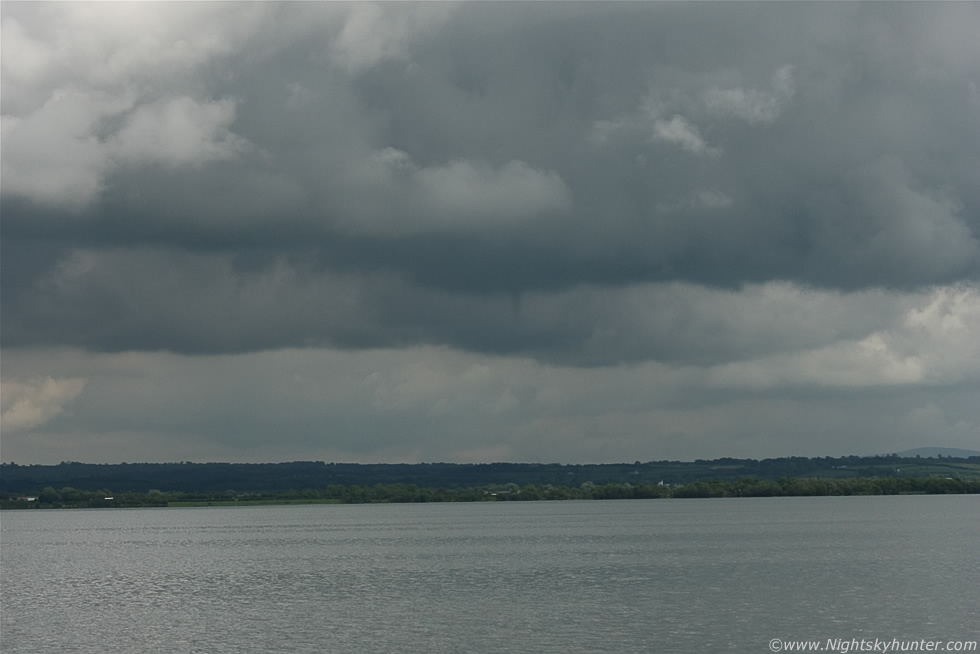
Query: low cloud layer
(710, 230)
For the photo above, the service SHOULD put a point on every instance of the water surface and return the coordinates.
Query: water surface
(591, 576)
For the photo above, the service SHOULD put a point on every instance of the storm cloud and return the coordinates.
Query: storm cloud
(481, 231)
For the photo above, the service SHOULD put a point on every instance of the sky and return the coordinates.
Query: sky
(534, 232)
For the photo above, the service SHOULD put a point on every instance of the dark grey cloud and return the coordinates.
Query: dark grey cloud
(752, 196)
(198, 303)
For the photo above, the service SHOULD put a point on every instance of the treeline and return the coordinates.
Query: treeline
(809, 487)
(264, 477)
(410, 493)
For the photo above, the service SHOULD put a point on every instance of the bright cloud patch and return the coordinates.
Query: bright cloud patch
(462, 194)
(933, 343)
(683, 133)
(31, 404)
(52, 155)
(94, 98)
(179, 131)
(754, 106)
(374, 32)
(512, 191)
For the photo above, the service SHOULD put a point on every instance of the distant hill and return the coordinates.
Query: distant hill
(939, 451)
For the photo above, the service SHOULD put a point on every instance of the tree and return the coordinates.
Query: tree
(49, 496)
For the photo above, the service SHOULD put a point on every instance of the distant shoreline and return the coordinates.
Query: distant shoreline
(281, 477)
(72, 498)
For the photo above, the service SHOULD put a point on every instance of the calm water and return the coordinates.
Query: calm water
(622, 576)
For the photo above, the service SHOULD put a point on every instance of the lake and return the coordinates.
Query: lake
(578, 576)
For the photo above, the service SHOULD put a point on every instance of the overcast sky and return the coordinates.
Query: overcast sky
(536, 232)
